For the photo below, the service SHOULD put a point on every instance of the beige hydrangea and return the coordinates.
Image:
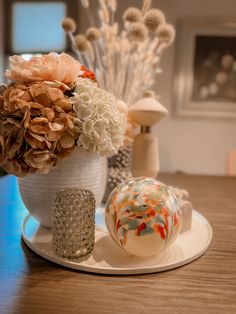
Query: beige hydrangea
(99, 123)
(36, 127)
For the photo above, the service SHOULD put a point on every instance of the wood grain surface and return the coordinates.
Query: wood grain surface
(30, 284)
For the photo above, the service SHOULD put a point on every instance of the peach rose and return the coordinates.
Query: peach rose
(49, 67)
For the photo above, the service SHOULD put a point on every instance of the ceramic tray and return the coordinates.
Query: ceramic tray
(108, 258)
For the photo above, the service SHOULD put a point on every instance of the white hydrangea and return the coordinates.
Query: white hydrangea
(99, 123)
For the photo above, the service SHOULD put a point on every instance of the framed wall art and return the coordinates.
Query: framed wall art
(205, 76)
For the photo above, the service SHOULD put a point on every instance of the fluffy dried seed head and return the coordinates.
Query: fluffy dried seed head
(137, 31)
(82, 43)
(132, 15)
(68, 24)
(153, 18)
(93, 33)
(166, 33)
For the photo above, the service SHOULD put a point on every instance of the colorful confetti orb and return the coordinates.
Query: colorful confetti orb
(143, 216)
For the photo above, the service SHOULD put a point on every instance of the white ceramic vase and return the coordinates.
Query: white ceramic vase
(82, 169)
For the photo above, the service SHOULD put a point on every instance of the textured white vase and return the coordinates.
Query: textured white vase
(82, 169)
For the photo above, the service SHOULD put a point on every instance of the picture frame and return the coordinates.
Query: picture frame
(203, 50)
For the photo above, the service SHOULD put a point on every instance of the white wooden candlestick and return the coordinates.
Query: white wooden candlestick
(145, 157)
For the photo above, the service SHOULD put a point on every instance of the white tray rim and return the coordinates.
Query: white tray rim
(118, 271)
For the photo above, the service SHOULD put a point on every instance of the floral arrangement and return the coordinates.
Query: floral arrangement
(51, 105)
(126, 59)
(119, 56)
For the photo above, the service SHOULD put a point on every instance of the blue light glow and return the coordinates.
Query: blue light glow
(37, 27)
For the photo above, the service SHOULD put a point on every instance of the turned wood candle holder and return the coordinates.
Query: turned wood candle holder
(145, 157)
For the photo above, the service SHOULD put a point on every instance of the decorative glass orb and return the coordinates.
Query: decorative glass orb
(143, 216)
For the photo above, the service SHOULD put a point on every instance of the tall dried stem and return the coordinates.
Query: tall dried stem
(125, 66)
(146, 6)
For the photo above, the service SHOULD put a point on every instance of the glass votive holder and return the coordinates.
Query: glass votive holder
(73, 224)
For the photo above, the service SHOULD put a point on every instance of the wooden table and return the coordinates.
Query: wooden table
(30, 284)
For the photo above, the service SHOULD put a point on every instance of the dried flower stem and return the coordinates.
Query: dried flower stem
(146, 6)
(104, 12)
(88, 61)
(97, 54)
(75, 50)
(126, 63)
(85, 3)
(124, 52)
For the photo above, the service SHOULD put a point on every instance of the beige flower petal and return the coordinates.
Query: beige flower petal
(43, 99)
(54, 126)
(67, 140)
(35, 143)
(64, 104)
(66, 121)
(26, 96)
(70, 123)
(41, 160)
(35, 105)
(59, 109)
(48, 113)
(55, 94)
(13, 167)
(26, 119)
(40, 138)
(39, 129)
(39, 120)
(13, 142)
(49, 144)
(41, 157)
(2, 146)
(52, 135)
(15, 122)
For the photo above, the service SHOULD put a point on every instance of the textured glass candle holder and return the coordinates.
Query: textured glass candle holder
(73, 223)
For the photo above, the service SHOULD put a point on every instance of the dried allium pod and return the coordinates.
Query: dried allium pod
(137, 31)
(166, 33)
(93, 33)
(82, 43)
(153, 18)
(132, 15)
(68, 24)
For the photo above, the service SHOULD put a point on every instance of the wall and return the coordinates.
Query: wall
(193, 146)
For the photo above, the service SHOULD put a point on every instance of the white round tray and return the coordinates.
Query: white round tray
(108, 258)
